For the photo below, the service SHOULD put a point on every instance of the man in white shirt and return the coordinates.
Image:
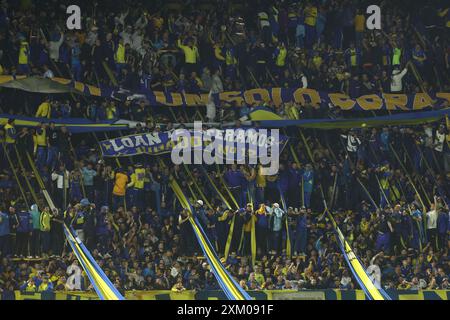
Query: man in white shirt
(54, 45)
(374, 271)
(353, 143)
(432, 216)
(61, 177)
(216, 87)
(396, 80)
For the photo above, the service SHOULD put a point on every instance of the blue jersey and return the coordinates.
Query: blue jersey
(4, 224)
(25, 222)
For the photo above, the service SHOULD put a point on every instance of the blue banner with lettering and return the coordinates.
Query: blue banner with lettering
(158, 143)
(258, 96)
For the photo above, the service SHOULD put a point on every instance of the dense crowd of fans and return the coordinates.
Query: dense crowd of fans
(139, 234)
(387, 188)
(206, 46)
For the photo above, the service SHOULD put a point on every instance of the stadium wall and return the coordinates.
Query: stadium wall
(219, 295)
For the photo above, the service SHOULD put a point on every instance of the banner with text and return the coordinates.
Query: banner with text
(257, 97)
(158, 143)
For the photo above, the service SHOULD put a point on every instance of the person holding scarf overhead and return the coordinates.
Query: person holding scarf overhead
(276, 226)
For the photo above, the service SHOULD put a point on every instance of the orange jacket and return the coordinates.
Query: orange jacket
(120, 185)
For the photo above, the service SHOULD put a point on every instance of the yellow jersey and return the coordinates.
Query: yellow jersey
(41, 138)
(311, 16)
(190, 54)
(44, 110)
(23, 53)
(120, 54)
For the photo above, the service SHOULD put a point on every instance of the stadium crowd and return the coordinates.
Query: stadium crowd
(130, 221)
(387, 188)
(218, 46)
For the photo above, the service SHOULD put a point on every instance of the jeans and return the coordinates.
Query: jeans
(276, 241)
(259, 195)
(300, 241)
(4, 246)
(117, 201)
(41, 156)
(138, 198)
(310, 36)
(157, 192)
(23, 69)
(77, 71)
(52, 157)
(89, 192)
(35, 249)
(383, 242)
(120, 67)
(22, 243)
(307, 198)
(45, 241)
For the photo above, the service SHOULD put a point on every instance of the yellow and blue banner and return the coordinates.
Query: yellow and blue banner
(231, 288)
(356, 267)
(258, 96)
(102, 285)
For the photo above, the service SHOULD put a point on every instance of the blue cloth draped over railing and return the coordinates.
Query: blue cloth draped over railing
(268, 119)
(74, 125)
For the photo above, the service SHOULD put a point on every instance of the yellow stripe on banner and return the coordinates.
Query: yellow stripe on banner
(200, 192)
(357, 267)
(353, 260)
(229, 238)
(222, 197)
(253, 240)
(216, 264)
(107, 293)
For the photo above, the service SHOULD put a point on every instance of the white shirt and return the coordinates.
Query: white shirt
(59, 178)
(49, 74)
(352, 143)
(374, 273)
(396, 82)
(439, 141)
(304, 82)
(432, 219)
(216, 85)
(54, 48)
